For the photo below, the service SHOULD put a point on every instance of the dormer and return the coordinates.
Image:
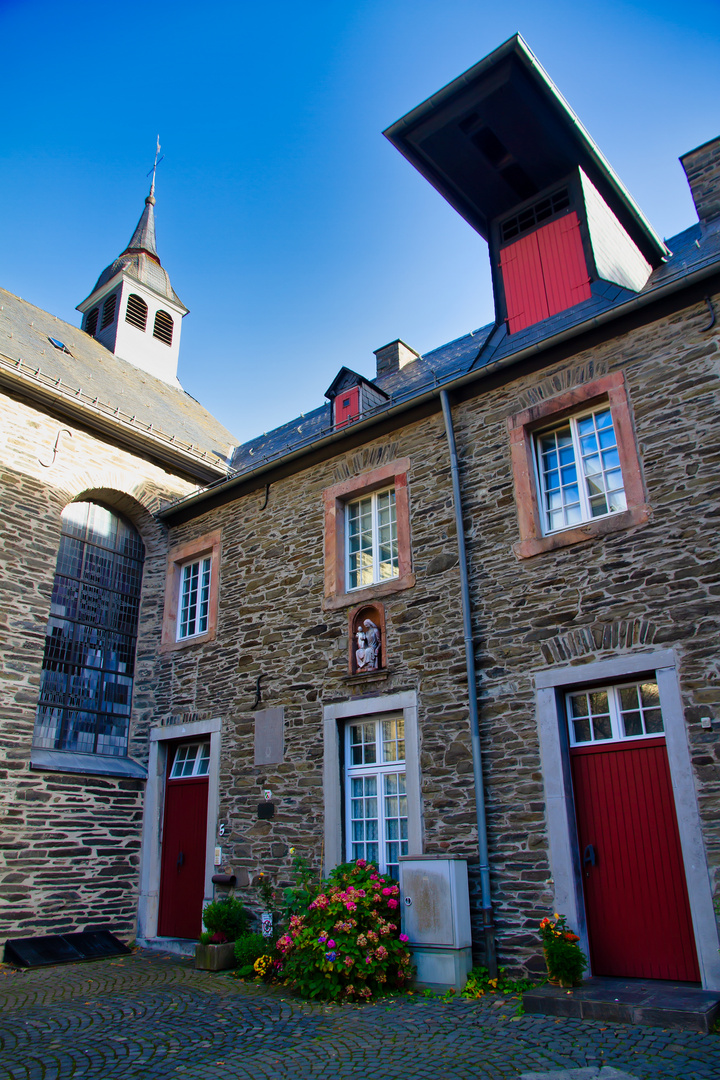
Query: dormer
(352, 396)
(133, 309)
(504, 148)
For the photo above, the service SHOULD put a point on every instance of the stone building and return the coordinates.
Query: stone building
(97, 435)
(469, 607)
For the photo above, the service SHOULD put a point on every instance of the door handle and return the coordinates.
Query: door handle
(180, 859)
(589, 856)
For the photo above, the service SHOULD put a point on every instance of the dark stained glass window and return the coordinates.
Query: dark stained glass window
(87, 675)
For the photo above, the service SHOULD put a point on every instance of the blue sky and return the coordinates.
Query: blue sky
(295, 233)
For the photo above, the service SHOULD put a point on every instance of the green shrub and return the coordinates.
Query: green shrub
(248, 947)
(347, 944)
(225, 919)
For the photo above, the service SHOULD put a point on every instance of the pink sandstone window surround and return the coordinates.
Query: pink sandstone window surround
(335, 499)
(523, 427)
(193, 551)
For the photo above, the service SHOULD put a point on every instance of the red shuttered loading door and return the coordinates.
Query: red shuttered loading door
(636, 897)
(544, 273)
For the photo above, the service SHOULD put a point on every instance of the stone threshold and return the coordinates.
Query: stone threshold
(650, 1002)
(176, 946)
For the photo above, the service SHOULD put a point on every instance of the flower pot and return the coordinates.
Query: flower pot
(215, 957)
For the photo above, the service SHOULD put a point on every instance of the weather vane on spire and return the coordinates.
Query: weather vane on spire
(155, 165)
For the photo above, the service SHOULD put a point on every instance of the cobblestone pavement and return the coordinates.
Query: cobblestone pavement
(149, 1015)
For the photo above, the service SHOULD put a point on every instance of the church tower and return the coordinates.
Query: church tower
(133, 309)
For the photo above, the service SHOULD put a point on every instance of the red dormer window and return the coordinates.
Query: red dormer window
(544, 273)
(347, 406)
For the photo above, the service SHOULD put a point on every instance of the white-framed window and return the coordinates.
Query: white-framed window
(578, 467)
(191, 759)
(614, 713)
(372, 544)
(376, 813)
(194, 600)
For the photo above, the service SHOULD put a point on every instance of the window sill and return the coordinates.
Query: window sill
(186, 643)
(94, 764)
(370, 592)
(636, 515)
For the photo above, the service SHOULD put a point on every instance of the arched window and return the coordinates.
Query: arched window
(91, 322)
(87, 673)
(136, 311)
(163, 328)
(108, 315)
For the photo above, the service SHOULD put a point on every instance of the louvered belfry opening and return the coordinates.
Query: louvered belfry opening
(108, 315)
(92, 321)
(163, 328)
(136, 312)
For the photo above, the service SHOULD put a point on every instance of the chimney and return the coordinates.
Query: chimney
(702, 168)
(394, 356)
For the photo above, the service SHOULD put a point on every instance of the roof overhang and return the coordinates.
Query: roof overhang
(500, 133)
(124, 430)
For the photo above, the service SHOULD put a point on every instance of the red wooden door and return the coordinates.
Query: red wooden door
(182, 876)
(636, 898)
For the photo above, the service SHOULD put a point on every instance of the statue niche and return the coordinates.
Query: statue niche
(367, 639)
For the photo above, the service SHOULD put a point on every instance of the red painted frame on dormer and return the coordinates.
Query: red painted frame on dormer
(544, 273)
(346, 406)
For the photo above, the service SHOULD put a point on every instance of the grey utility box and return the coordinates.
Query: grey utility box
(436, 918)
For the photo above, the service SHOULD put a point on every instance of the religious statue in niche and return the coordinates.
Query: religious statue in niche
(366, 639)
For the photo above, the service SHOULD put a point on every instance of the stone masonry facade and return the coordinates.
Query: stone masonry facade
(69, 843)
(655, 583)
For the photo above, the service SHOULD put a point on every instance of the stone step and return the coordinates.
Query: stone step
(629, 1001)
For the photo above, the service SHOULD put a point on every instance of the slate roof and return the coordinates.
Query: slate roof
(140, 258)
(143, 239)
(693, 250)
(94, 375)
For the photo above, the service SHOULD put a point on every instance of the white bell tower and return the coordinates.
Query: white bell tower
(133, 309)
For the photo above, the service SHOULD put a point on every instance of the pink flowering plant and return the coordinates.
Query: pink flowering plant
(347, 944)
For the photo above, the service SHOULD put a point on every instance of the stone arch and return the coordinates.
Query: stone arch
(129, 496)
(152, 531)
(595, 639)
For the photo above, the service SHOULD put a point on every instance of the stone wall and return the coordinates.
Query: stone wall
(651, 584)
(69, 844)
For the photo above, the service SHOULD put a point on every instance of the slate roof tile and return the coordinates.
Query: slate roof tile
(691, 250)
(24, 334)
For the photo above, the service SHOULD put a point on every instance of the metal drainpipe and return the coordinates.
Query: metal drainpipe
(488, 924)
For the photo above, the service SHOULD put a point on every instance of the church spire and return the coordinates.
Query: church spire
(143, 239)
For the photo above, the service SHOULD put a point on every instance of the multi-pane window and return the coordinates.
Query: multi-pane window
(191, 759)
(372, 546)
(194, 598)
(613, 713)
(87, 673)
(375, 796)
(579, 471)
